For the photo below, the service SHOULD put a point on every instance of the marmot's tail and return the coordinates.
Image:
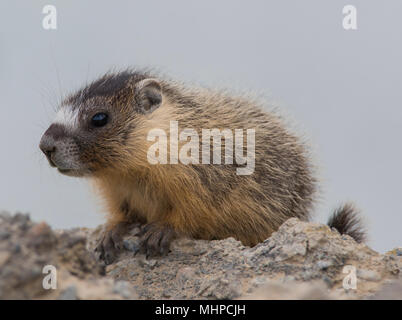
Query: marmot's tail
(346, 220)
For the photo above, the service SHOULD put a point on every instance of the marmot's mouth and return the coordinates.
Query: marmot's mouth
(49, 159)
(72, 172)
(64, 171)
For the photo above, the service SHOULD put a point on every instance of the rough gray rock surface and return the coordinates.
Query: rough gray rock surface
(300, 261)
(27, 247)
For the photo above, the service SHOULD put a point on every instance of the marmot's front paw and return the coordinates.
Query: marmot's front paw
(155, 239)
(111, 242)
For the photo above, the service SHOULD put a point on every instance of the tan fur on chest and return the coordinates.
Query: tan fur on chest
(131, 200)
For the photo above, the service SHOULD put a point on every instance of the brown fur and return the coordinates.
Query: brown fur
(199, 201)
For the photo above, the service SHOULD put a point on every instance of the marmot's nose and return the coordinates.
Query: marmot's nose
(48, 142)
(48, 146)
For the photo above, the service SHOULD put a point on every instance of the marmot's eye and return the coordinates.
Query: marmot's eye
(99, 119)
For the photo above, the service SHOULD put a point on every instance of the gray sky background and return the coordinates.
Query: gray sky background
(344, 88)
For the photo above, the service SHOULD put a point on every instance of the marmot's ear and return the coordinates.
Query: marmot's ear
(148, 95)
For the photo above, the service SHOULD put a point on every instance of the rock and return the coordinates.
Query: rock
(299, 252)
(4, 235)
(392, 290)
(183, 275)
(396, 251)
(368, 275)
(30, 247)
(300, 261)
(124, 289)
(69, 293)
(40, 236)
(277, 290)
(4, 257)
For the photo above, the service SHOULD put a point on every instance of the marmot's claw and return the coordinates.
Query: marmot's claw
(156, 239)
(111, 243)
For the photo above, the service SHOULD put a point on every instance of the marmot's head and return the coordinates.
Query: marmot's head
(92, 125)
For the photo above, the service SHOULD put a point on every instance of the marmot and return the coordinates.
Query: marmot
(102, 132)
